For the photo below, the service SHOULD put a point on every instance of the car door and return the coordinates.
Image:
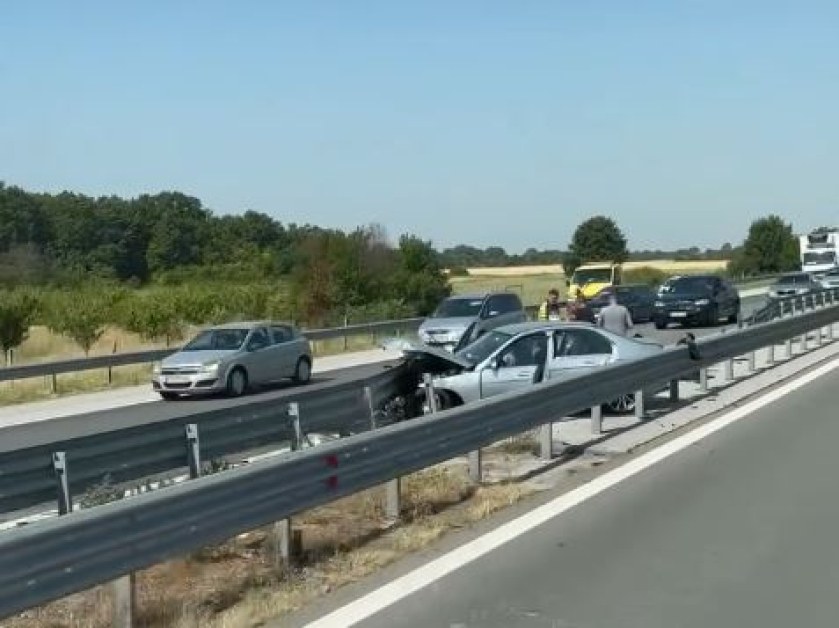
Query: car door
(517, 365)
(257, 357)
(579, 351)
(283, 352)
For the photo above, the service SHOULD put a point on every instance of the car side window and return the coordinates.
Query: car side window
(526, 351)
(510, 303)
(493, 304)
(281, 334)
(258, 340)
(583, 342)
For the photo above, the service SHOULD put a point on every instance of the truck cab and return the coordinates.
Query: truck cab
(819, 252)
(591, 278)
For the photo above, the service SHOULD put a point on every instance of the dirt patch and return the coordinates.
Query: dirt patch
(240, 582)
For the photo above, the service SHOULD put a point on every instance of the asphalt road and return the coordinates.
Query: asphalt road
(738, 529)
(28, 434)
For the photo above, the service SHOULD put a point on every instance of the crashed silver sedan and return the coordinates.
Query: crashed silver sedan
(513, 357)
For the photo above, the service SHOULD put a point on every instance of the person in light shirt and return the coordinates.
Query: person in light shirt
(615, 317)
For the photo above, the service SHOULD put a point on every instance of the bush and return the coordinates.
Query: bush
(83, 316)
(645, 275)
(155, 317)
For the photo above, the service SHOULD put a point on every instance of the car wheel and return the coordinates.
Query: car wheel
(303, 371)
(712, 318)
(237, 382)
(169, 396)
(621, 405)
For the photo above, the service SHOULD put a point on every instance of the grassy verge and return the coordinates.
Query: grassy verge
(238, 583)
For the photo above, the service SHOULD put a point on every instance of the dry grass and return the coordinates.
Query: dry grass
(43, 345)
(237, 584)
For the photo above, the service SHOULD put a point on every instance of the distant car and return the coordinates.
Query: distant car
(793, 284)
(460, 319)
(639, 299)
(513, 357)
(830, 279)
(234, 357)
(696, 299)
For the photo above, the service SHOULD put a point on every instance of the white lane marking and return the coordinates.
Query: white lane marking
(375, 601)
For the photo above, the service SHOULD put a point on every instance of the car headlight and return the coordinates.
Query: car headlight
(659, 304)
(209, 368)
(703, 301)
(156, 368)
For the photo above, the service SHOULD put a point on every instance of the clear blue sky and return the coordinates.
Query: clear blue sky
(491, 123)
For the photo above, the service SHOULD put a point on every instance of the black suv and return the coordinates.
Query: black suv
(638, 298)
(696, 299)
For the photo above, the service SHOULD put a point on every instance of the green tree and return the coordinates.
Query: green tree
(597, 239)
(770, 247)
(420, 280)
(154, 317)
(83, 315)
(17, 312)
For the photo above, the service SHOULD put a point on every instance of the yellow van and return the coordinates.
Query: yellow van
(592, 278)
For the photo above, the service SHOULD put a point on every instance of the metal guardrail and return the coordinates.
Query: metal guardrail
(55, 557)
(60, 470)
(58, 367)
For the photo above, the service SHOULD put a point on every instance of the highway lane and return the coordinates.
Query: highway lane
(737, 529)
(23, 435)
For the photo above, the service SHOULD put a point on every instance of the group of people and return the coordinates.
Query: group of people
(614, 317)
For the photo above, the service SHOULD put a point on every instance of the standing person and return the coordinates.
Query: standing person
(550, 309)
(615, 317)
(582, 312)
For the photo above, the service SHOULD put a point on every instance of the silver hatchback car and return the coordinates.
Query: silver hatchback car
(234, 357)
(513, 357)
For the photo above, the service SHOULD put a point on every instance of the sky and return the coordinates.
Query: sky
(482, 122)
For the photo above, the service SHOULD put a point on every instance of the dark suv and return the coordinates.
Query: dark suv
(459, 320)
(638, 298)
(696, 299)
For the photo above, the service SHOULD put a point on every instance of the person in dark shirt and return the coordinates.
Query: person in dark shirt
(581, 311)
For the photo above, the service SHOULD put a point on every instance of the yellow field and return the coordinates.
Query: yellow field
(666, 265)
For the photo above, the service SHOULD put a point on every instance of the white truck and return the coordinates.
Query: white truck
(819, 251)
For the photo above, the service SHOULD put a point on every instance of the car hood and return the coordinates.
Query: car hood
(189, 358)
(452, 324)
(436, 356)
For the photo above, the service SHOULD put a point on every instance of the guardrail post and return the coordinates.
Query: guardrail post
(674, 390)
(294, 415)
(125, 606)
(703, 379)
(639, 404)
(393, 488)
(546, 441)
(287, 545)
(193, 451)
(752, 360)
(59, 465)
(788, 348)
(54, 383)
(804, 342)
(597, 419)
(770, 358)
(346, 336)
(430, 397)
(728, 370)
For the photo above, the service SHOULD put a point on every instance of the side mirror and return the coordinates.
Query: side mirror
(493, 364)
(493, 313)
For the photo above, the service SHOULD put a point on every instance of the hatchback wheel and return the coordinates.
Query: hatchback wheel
(303, 372)
(237, 382)
(622, 405)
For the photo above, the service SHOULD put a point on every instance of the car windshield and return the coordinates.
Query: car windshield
(794, 278)
(458, 308)
(483, 347)
(583, 276)
(217, 340)
(687, 285)
(819, 257)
